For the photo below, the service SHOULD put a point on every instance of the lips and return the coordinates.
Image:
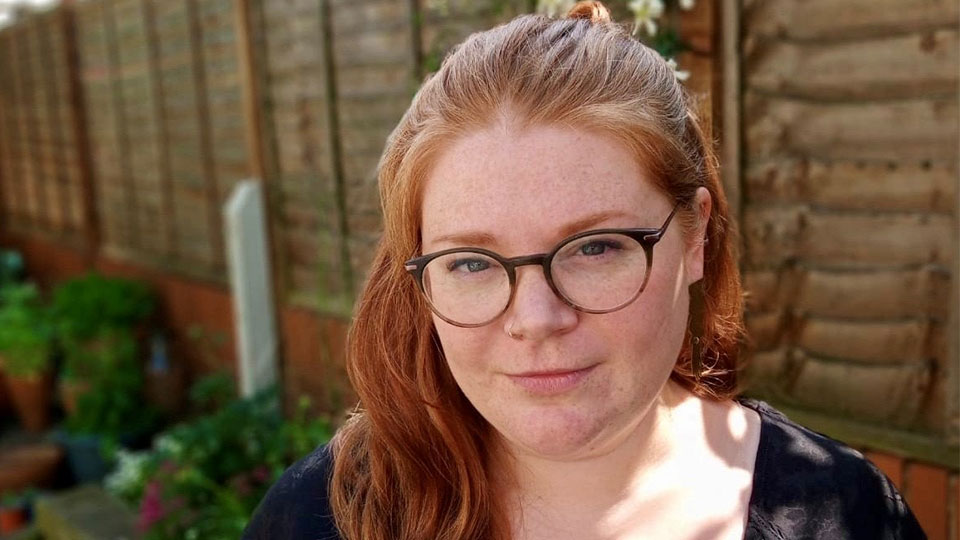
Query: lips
(551, 382)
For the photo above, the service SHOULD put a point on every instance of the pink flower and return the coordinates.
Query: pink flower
(261, 474)
(151, 506)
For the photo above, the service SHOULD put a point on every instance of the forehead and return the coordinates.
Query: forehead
(525, 184)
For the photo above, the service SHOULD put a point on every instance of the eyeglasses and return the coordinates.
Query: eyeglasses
(596, 271)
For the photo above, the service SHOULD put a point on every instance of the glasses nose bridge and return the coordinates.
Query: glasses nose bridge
(540, 259)
(528, 260)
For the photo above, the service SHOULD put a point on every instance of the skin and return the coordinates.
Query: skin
(614, 436)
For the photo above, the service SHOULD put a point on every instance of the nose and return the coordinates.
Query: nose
(536, 311)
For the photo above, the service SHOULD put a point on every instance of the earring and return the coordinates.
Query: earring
(696, 329)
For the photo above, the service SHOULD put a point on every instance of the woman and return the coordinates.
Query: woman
(547, 344)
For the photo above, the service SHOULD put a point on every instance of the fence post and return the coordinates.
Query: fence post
(334, 142)
(730, 138)
(91, 219)
(253, 132)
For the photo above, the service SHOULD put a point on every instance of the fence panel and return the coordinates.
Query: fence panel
(306, 191)
(850, 219)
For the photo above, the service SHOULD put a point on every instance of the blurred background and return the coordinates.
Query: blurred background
(188, 207)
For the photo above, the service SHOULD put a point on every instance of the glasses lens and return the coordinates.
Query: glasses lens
(600, 272)
(466, 287)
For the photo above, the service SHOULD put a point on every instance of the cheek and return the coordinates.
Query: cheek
(657, 322)
(463, 348)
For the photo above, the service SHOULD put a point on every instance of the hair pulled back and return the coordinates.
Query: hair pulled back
(412, 463)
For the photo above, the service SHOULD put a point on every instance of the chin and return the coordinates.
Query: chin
(555, 434)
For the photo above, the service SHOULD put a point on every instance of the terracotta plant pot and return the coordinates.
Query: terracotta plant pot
(29, 465)
(12, 519)
(32, 397)
(70, 392)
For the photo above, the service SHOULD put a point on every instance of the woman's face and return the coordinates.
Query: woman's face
(567, 384)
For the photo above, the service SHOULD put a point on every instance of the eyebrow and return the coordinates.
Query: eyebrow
(480, 238)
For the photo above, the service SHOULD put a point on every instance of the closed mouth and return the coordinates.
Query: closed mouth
(551, 372)
(551, 381)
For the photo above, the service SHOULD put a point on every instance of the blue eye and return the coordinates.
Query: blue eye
(470, 265)
(593, 248)
(598, 247)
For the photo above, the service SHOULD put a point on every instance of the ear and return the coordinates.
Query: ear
(694, 256)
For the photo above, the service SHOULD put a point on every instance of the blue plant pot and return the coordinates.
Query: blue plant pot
(84, 457)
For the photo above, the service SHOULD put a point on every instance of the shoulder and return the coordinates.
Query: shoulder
(297, 505)
(807, 485)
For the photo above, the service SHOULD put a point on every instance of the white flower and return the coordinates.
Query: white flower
(681, 75)
(687, 4)
(645, 13)
(128, 473)
(554, 8)
(167, 444)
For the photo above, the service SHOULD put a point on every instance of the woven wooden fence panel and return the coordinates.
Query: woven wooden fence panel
(138, 110)
(29, 119)
(10, 192)
(67, 163)
(224, 101)
(42, 190)
(166, 128)
(192, 213)
(375, 72)
(42, 137)
(849, 217)
(98, 71)
(305, 190)
(168, 134)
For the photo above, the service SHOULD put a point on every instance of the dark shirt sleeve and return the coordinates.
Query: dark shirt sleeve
(297, 506)
(807, 485)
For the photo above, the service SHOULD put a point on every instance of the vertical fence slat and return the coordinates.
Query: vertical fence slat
(165, 191)
(267, 147)
(729, 99)
(43, 143)
(131, 231)
(86, 209)
(63, 166)
(28, 173)
(347, 276)
(210, 181)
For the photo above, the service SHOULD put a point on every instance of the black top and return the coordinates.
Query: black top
(805, 485)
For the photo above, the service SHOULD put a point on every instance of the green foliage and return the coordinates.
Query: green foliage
(25, 331)
(113, 406)
(668, 43)
(18, 499)
(86, 305)
(203, 479)
(213, 392)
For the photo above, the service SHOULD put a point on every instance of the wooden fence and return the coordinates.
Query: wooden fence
(850, 212)
(125, 123)
(186, 97)
(40, 131)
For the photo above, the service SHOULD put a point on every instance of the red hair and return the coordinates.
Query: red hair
(413, 462)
